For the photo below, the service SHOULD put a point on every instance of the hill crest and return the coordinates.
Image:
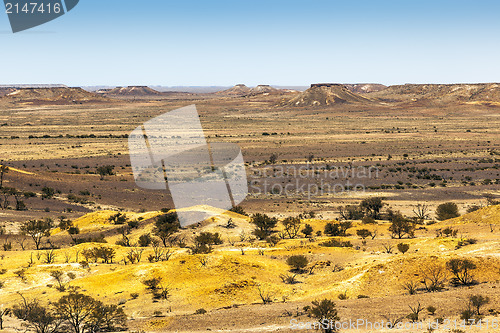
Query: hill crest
(54, 96)
(133, 91)
(438, 94)
(326, 94)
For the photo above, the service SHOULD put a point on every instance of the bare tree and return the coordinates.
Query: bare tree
(415, 311)
(387, 248)
(21, 241)
(411, 287)
(58, 276)
(434, 278)
(49, 257)
(421, 211)
(265, 295)
(37, 317)
(292, 226)
(134, 255)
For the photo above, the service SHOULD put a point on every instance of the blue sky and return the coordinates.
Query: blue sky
(189, 42)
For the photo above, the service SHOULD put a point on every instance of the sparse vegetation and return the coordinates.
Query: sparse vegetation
(447, 210)
(166, 225)
(461, 269)
(37, 230)
(403, 247)
(325, 310)
(264, 225)
(292, 226)
(297, 262)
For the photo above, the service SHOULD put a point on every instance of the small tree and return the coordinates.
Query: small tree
(37, 229)
(447, 210)
(325, 311)
(372, 206)
(105, 170)
(434, 278)
(337, 229)
(264, 225)
(307, 230)
(204, 241)
(18, 198)
(332, 229)
(48, 192)
(77, 309)
(364, 233)
(401, 226)
(58, 276)
(297, 262)
(266, 295)
(461, 269)
(477, 301)
(403, 247)
(166, 225)
(292, 226)
(107, 318)
(37, 317)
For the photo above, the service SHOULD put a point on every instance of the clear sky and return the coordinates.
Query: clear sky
(212, 42)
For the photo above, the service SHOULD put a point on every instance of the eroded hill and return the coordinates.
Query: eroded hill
(442, 94)
(326, 94)
(51, 96)
(133, 91)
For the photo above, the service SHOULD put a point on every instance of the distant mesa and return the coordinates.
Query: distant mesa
(243, 90)
(365, 88)
(442, 94)
(130, 91)
(237, 90)
(326, 94)
(6, 91)
(19, 86)
(52, 96)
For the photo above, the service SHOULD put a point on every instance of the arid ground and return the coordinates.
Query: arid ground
(423, 146)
